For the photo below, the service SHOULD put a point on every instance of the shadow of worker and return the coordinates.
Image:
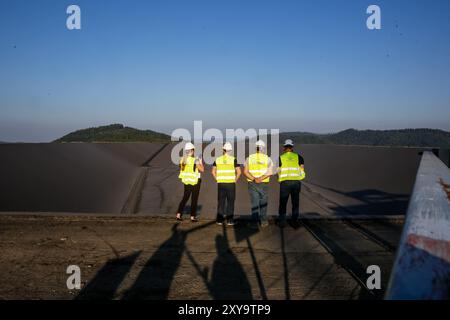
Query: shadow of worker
(156, 277)
(228, 279)
(108, 279)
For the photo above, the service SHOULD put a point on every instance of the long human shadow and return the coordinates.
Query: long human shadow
(228, 279)
(287, 290)
(108, 279)
(244, 234)
(152, 282)
(155, 278)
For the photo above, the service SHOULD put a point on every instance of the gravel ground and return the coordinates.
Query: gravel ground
(137, 257)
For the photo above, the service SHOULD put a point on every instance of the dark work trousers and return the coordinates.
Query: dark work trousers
(289, 188)
(226, 194)
(193, 192)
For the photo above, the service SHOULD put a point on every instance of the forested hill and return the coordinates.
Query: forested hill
(114, 133)
(403, 137)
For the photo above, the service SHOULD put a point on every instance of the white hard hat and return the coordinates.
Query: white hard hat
(189, 146)
(288, 143)
(227, 146)
(260, 143)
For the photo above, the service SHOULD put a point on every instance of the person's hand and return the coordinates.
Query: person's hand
(257, 180)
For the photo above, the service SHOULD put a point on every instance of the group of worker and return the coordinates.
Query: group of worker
(258, 169)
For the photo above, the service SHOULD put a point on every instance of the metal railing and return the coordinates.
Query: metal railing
(422, 266)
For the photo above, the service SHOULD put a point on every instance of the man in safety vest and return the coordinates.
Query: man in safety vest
(190, 168)
(291, 171)
(226, 171)
(258, 169)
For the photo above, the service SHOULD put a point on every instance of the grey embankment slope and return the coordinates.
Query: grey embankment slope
(78, 177)
(102, 178)
(341, 180)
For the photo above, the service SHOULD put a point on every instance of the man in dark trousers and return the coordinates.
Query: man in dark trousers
(291, 171)
(226, 171)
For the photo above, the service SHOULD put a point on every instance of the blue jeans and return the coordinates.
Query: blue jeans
(258, 198)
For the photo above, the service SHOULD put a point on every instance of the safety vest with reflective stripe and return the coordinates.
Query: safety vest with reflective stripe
(290, 169)
(258, 164)
(225, 171)
(188, 175)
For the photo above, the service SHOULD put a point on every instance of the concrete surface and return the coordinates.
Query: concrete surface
(136, 257)
(422, 268)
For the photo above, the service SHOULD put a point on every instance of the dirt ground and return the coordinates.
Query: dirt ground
(138, 257)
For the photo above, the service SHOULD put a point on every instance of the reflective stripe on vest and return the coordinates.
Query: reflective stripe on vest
(290, 170)
(225, 171)
(188, 175)
(258, 164)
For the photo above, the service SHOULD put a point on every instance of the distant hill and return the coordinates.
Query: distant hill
(403, 137)
(114, 133)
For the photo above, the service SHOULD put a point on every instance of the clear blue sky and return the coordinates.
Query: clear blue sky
(291, 65)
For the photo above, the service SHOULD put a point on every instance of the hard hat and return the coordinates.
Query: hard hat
(189, 146)
(288, 143)
(260, 143)
(227, 146)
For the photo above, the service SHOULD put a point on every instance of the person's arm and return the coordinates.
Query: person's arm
(268, 173)
(301, 162)
(279, 166)
(238, 173)
(247, 173)
(200, 166)
(183, 163)
(237, 168)
(214, 171)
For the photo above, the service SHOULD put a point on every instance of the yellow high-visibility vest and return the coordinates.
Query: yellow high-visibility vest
(290, 169)
(188, 175)
(258, 164)
(225, 170)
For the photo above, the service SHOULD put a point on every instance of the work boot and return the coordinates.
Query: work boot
(253, 225)
(282, 223)
(295, 224)
(231, 223)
